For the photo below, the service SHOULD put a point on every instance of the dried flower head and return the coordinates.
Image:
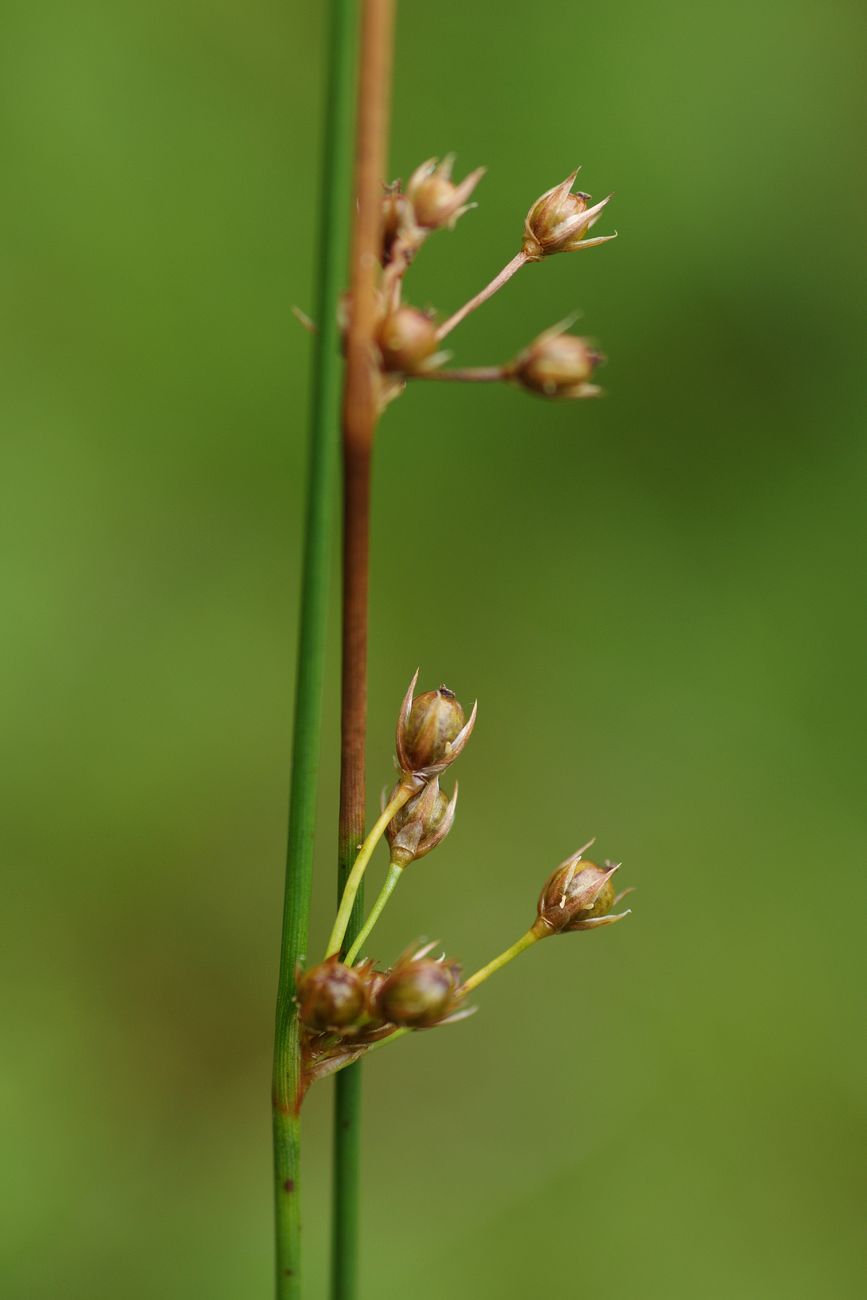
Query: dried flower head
(578, 896)
(431, 731)
(558, 222)
(421, 824)
(436, 200)
(333, 996)
(557, 364)
(420, 992)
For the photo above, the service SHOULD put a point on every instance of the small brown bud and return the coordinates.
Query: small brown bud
(578, 896)
(420, 992)
(558, 222)
(332, 996)
(436, 200)
(421, 824)
(557, 364)
(431, 731)
(407, 341)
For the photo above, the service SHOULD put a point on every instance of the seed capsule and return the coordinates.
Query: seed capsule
(431, 731)
(407, 341)
(578, 896)
(558, 222)
(420, 992)
(436, 200)
(557, 364)
(421, 824)
(331, 995)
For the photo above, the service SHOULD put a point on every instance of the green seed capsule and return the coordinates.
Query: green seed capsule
(418, 994)
(331, 996)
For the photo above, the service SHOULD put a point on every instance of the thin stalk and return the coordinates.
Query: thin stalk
(519, 260)
(392, 277)
(497, 963)
(395, 871)
(469, 375)
(384, 1042)
(321, 493)
(356, 875)
(359, 419)
(392, 1038)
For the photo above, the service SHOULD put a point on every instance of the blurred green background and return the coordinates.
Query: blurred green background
(658, 599)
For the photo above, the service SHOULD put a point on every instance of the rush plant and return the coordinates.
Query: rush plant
(332, 1012)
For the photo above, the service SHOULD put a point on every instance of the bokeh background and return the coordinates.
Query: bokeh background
(658, 599)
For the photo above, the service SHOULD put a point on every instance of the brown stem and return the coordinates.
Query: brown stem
(360, 403)
(489, 290)
(360, 407)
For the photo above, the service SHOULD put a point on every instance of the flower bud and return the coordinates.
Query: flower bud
(431, 731)
(407, 341)
(331, 995)
(436, 200)
(421, 824)
(420, 992)
(557, 364)
(558, 222)
(578, 896)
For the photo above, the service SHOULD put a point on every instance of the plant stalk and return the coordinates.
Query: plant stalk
(321, 493)
(395, 871)
(356, 875)
(501, 278)
(519, 946)
(359, 419)
(468, 375)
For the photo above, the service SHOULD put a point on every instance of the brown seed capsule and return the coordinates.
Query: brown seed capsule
(421, 824)
(407, 341)
(436, 200)
(331, 995)
(420, 992)
(578, 896)
(431, 731)
(557, 364)
(558, 222)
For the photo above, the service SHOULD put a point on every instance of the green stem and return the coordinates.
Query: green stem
(395, 871)
(356, 875)
(509, 955)
(335, 207)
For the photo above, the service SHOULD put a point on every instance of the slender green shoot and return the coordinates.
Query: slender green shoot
(519, 946)
(321, 496)
(395, 871)
(356, 875)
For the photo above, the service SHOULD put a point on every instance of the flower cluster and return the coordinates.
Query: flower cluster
(346, 1003)
(408, 340)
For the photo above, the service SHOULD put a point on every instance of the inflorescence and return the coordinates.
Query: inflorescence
(408, 340)
(346, 1004)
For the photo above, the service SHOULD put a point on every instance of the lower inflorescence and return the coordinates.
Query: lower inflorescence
(348, 1006)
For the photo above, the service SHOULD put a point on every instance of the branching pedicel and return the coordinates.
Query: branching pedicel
(347, 1006)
